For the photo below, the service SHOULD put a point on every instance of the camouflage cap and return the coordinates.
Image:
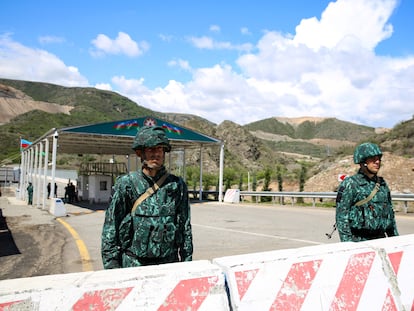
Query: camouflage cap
(366, 150)
(151, 136)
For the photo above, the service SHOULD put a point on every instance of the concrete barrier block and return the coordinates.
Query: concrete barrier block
(232, 196)
(57, 207)
(374, 275)
(197, 285)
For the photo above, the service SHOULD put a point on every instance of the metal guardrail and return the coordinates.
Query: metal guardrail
(404, 197)
(205, 193)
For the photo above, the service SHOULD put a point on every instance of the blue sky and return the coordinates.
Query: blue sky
(223, 60)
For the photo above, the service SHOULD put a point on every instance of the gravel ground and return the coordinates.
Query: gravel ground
(32, 243)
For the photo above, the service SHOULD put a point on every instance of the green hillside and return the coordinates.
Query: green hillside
(330, 128)
(273, 126)
(400, 140)
(90, 106)
(305, 143)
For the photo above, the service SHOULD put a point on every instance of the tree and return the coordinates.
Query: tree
(193, 176)
(254, 182)
(266, 183)
(267, 175)
(302, 179)
(280, 183)
(241, 181)
(229, 177)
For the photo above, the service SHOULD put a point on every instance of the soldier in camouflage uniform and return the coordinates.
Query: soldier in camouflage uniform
(159, 230)
(359, 218)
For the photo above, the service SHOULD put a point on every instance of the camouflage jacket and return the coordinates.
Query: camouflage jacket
(159, 231)
(374, 218)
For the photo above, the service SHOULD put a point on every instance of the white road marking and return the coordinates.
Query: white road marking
(258, 234)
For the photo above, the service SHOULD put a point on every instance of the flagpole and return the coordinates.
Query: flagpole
(22, 155)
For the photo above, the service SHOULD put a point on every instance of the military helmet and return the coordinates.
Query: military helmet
(151, 136)
(366, 150)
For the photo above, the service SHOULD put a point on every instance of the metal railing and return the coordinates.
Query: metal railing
(404, 197)
(293, 196)
(105, 168)
(206, 194)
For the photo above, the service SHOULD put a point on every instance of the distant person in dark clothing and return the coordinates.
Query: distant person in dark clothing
(71, 192)
(55, 190)
(66, 198)
(48, 190)
(30, 194)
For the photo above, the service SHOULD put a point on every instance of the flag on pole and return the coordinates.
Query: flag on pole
(24, 143)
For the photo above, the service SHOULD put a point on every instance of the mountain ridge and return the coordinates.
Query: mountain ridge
(288, 143)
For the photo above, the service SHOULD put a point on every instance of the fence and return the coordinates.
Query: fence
(405, 198)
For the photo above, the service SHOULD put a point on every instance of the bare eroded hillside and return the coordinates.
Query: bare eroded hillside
(397, 171)
(317, 141)
(14, 102)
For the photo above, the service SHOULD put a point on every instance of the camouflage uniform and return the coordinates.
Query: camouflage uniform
(159, 231)
(30, 193)
(372, 220)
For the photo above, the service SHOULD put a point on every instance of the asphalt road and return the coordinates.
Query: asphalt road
(34, 242)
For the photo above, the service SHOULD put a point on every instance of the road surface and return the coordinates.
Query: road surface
(34, 242)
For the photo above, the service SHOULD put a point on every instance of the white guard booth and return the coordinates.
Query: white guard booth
(95, 188)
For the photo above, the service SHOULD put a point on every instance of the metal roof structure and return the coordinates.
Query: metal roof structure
(115, 138)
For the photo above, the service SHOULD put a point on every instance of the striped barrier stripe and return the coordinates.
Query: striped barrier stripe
(374, 275)
(186, 295)
(347, 279)
(157, 290)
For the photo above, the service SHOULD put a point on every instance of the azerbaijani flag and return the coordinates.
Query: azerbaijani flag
(126, 125)
(24, 143)
(172, 129)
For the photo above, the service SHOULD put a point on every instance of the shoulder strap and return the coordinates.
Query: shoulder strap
(371, 195)
(151, 190)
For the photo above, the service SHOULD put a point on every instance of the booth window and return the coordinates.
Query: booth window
(103, 185)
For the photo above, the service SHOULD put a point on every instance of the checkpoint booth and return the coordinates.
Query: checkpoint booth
(109, 138)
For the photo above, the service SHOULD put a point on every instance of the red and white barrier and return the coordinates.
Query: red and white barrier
(232, 196)
(197, 285)
(374, 275)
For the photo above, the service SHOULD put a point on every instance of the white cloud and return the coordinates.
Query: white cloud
(129, 86)
(22, 63)
(245, 31)
(123, 44)
(363, 22)
(208, 43)
(51, 39)
(215, 28)
(166, 38)
(202, 42)
(183, 64)
(103, 86)
(327, 69)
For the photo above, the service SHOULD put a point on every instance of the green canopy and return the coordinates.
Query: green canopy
(113, 138)
(116, 137)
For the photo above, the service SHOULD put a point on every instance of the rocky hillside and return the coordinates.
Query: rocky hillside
(398, 172)
(323, 145)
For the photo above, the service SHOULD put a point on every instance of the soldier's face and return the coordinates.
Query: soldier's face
(154, 156)
(373, 163)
